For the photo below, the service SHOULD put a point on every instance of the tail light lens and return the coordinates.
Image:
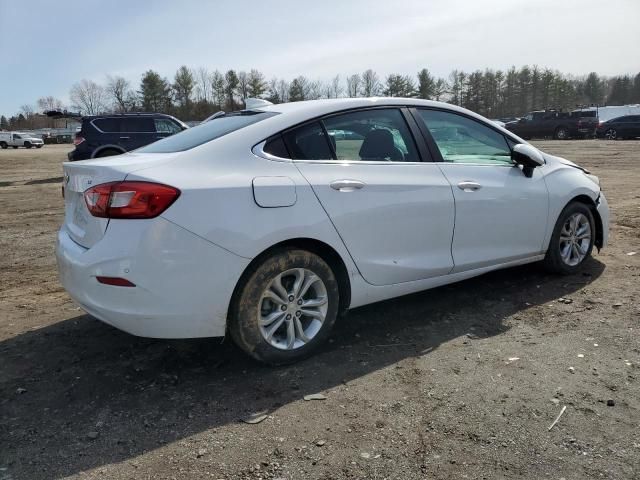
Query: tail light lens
(78, 140)
(130, 199)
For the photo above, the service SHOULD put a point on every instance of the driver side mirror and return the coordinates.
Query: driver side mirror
(527, 156)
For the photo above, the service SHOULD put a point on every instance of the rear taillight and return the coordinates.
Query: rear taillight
(129, 199)
(78, 140)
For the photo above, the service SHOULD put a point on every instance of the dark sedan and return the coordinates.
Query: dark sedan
(627, 126)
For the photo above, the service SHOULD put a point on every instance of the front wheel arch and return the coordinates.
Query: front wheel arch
(589, 202)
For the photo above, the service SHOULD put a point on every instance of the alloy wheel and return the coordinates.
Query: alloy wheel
(292, 309)
(611, 134)
(575, 239)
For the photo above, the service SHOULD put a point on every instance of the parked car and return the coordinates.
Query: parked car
(552, 123)
(107, 135)
(263, 225)
(18, 139)
(627, 126)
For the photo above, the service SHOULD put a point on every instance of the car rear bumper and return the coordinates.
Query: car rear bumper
(183, 283)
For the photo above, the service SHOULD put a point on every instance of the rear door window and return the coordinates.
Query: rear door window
(371, 135)
(107, 125)
(137, 125)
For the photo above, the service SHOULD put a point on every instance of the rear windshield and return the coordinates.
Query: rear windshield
(207, 131)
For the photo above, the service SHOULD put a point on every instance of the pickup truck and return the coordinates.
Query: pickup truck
(17, 139)
(559, 125)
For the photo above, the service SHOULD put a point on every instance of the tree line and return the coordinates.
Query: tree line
(194, 94)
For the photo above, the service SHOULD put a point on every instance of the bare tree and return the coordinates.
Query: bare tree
(89, 97)
(49, 103)
(28, 112)
(315, 90)
(243, 85)
(118, 90)
(353, 85)
(334, 89)
(203, 84)
(370, 84)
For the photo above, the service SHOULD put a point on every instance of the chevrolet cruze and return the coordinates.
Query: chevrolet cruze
(268, 222)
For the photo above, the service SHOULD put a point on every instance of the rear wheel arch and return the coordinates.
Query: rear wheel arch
(318, 247)
(100, 152)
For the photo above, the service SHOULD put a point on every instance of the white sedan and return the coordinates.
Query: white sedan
(267, 223)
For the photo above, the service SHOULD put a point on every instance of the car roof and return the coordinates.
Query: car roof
(128, 114)
(298, 112)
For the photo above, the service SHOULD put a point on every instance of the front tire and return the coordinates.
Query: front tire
(285, 307)
(611, 134)
(572, 239)
(27, 144)
(3, 145)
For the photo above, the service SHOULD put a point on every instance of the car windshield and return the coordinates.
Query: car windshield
(207, 131)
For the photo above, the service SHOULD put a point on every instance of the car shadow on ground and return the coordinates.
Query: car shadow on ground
(79, 378)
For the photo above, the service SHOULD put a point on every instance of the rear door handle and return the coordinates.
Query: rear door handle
(467, 186)
(346, 185)
(124, 138)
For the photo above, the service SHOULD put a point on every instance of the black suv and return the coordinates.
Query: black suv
(105, 135)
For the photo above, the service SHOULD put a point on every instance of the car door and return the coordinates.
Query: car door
(136, 132)
(501, 214)
(632, 126)
(394, 212)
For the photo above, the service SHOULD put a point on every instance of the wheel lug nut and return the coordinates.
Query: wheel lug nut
(289, 316)
(300, 302)
(283, 308)
(291, 298)
(298, 313)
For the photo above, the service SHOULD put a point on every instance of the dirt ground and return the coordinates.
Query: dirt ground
(459, 382)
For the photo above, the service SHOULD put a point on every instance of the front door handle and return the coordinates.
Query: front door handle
(467, 186)
(346, 185)
(124, 138)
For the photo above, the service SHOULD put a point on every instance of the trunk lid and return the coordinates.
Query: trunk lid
(85, 229)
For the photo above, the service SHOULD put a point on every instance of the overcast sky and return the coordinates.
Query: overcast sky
(47, 46)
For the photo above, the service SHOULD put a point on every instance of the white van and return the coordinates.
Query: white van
(18, 139)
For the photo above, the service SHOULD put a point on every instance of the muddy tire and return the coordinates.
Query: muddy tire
(572, 240)
(284, 308)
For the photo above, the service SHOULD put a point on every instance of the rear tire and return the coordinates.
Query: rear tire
(572, 239)
(285, 307)
(3, 145)
(110, 152)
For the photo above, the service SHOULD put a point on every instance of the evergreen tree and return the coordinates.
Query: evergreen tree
(155, 92)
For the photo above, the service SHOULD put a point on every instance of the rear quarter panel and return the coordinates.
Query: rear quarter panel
(217, 200)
